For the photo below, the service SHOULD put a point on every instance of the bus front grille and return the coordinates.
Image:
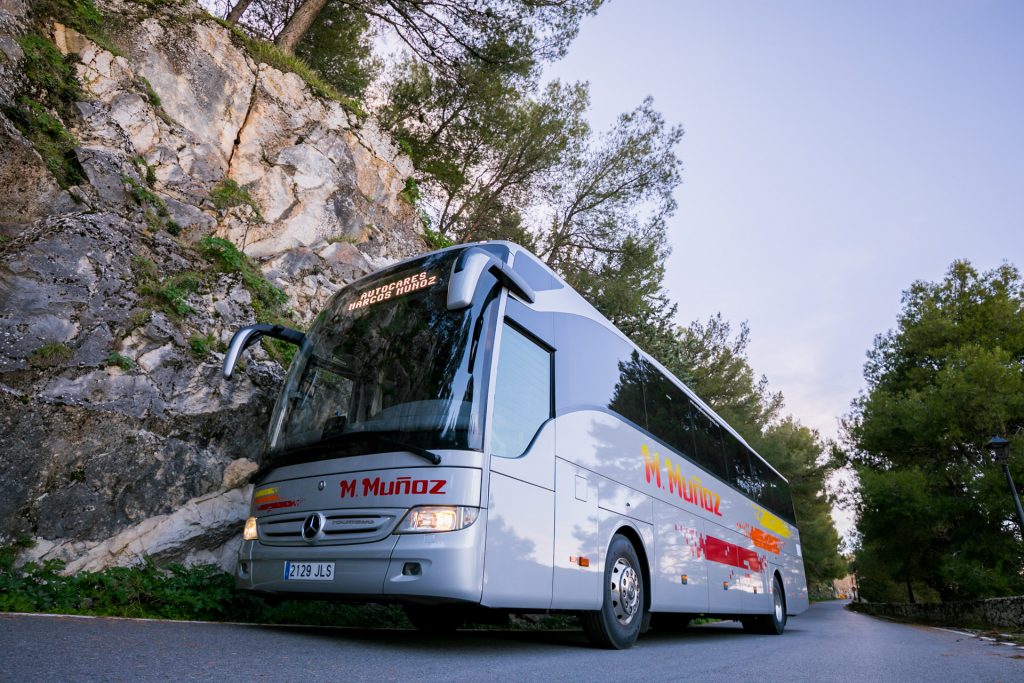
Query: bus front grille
(339, 527)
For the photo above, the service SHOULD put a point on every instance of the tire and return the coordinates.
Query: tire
(772, 624)
(436, 619)
(618, 623)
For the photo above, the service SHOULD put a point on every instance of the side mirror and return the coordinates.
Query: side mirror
(466, 273)
(247, 336)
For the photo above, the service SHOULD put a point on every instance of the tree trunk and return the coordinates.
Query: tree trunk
(910, 592)
(297, 26)
(237, 11)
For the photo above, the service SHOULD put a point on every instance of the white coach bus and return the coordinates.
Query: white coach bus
(462, 430)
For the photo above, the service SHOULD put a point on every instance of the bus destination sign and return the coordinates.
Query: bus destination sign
(406, 285)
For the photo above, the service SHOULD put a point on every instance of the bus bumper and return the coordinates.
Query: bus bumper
(427, 568)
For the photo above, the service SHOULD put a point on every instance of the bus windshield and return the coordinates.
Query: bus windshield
(385, 364)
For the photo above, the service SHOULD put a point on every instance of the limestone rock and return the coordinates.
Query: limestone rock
(121, 438)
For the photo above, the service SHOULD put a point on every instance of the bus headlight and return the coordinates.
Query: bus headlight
(434, 518)
(250, 533)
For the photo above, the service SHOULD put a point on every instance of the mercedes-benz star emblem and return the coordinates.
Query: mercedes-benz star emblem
(312, 525)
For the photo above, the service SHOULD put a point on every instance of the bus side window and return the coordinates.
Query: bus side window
(522, 396)
(709, 444)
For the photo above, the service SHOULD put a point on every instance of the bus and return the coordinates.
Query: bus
(462, 433)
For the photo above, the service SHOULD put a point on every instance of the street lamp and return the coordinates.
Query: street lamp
(1000, 450)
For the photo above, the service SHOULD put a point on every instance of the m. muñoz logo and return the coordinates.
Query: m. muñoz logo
(691, 490)
(396, 487)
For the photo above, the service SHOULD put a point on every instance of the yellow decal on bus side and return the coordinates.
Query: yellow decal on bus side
(771, 522)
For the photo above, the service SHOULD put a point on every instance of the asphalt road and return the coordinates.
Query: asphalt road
(827, 643)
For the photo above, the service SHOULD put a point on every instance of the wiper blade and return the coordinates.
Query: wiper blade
(286, 457)
(430, 456)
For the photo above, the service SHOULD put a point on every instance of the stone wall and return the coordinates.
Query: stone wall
(1002, 613)
(120, 437)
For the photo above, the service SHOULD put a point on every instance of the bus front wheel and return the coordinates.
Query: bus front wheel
(617, 624)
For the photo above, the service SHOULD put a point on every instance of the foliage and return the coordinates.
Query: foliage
(411, 192)
(619, 186)
(126, 363)
(228, 193)
(497, 160)
(268, 53)
(505, 34)
(202, 344)
(51, 75)
(798, 454)
(149, 171)
(169, 294)
(627, 288)
(200, 592)
(151, 95)
(51, 354)
(714, 364)
(52, 90)
(339, 46)
(481, 145)
(435, 240)
(268, 300)
(708, 358)
(81, 15)
(932, 508)
(50, 138)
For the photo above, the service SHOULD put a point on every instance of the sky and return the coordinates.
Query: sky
(834, 153)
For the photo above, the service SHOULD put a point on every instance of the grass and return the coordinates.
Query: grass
(347, 239)
(201, 592)
(140, 317)
(50, 138)
(168, 294)
(270, 54)
(434, 239)
(147, 170)
(411, 192)
(268, 301)
(124, 362)
(81, 15)
(228, 193)
(155, 211)
(202, 345)
(48, 100)
(143, 196)
(51, 75)
(49, 355)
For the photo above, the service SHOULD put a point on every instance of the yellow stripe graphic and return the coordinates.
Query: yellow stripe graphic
(771, 522)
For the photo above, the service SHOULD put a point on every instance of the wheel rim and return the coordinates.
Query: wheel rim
(779, 615)
(625, 591)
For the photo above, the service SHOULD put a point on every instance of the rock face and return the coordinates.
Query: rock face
(121, 439)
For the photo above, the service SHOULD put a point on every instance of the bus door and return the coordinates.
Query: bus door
(520, 504)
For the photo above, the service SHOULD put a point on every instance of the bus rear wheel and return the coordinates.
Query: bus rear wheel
(772, 624)
(617, 624)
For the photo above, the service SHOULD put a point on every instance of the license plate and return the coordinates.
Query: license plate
(308, 571)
